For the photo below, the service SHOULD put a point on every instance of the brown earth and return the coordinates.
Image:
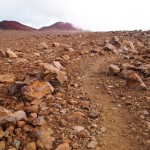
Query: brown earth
(91, 109)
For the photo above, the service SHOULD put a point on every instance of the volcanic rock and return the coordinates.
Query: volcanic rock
(78, 128)
(30, 146)
(128, 44)
(7, 78)
(37, 90)
(39, 121)
(65, 57)
(19, 115)
(109, 47)
(114, 40)
(92, 144)
(62, 77)
(144, 69)
(16, 143)
(21, 60)
(56, 44)
(50, 68)
(7, 116)
(10, 53)
(64, 146)
(45, 140)
(42, 46)
(94, 114)
(2, 53)
(133, 80)
(58, 65)
(113, 70)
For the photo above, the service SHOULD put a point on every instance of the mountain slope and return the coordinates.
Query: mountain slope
(14, 25)
(60, 26)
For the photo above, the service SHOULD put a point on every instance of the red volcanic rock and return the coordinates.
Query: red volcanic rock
(13, 25)
(60, 26)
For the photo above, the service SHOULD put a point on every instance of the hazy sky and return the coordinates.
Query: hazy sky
(96, 15)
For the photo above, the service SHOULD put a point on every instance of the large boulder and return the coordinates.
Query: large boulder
(133, 80)
(54, 72)
(37, 90)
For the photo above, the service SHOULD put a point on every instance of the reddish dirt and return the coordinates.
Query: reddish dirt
(120, 124)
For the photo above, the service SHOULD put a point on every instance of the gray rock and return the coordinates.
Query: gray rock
(103, 129)
(16, 143)
(78, 128)
(92, 144)
(94, 114)
(39, 121)
(56, 105)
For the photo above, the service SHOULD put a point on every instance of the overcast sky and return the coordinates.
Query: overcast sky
(95, 15)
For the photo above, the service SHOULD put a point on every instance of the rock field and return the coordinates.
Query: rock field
(75, 91)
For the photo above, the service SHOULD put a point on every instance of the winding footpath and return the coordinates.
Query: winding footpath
(115, 119)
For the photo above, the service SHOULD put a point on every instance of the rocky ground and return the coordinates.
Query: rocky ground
(71, 91)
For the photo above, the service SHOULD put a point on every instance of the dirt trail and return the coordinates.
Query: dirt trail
(116, 119)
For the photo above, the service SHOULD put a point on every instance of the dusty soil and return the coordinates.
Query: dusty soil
(122, 113)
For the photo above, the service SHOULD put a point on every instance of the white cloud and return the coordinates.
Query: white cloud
(100, 15)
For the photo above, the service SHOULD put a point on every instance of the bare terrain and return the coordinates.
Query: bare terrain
(74, 90)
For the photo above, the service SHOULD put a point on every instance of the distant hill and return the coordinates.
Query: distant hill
(60, 26)
(14, 25)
